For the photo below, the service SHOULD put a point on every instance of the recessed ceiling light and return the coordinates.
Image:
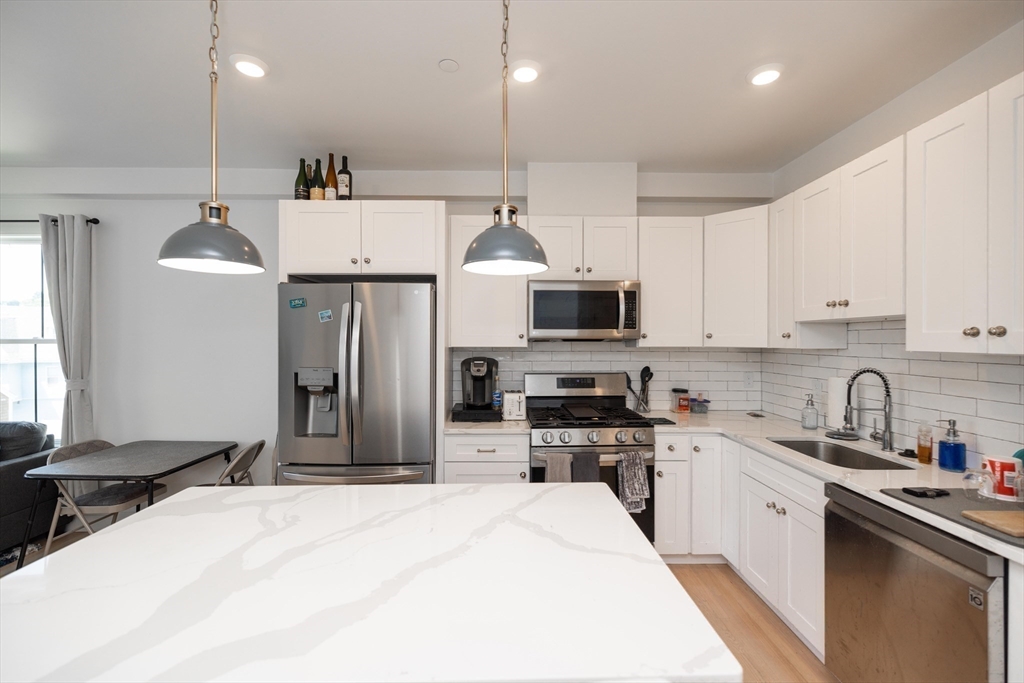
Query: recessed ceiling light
(249, 65)
(448, 65)
(763, 75)
(525, 71)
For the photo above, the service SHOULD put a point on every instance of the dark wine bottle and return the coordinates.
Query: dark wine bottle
(302, 182)
(331, 181)
(316, 188)
(344, 180)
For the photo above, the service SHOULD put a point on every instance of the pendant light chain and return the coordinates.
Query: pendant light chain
(214, 35)
(504, 105)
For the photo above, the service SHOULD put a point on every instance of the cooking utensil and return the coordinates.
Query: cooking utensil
(642, 401)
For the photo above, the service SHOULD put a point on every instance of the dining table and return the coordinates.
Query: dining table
(137, 461)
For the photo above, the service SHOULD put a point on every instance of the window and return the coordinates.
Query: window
(31, 379)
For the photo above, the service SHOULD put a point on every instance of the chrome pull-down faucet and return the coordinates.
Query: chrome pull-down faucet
(849, 430)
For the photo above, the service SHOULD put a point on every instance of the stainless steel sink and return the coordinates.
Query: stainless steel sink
(840, 456)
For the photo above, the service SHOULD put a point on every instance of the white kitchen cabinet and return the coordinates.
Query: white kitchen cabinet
(319, 238)
(736, 278)
(1006, 217)
(801, 591)
(759, 538)
(731, 501)
(562, 240)
(706, 495)
(783, 330)
(816, 234)
(609, 248)
(871, 258)
(485, 310)
(486, 473)
(671, 271)
(398, 237)
(671, 446)
(672, 507)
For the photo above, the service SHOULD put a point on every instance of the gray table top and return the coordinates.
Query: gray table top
(135, 461)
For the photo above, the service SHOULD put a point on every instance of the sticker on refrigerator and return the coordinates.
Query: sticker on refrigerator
(297, 303)
(326, 316)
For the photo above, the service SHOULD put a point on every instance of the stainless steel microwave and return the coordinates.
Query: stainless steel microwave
(608, 310)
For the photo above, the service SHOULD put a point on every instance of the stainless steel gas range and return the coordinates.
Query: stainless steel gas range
(586, 412)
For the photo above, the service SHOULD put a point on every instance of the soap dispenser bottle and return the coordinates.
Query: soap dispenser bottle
(952, 451)
(809, 415)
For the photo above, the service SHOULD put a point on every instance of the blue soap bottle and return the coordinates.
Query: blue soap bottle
(952, 451)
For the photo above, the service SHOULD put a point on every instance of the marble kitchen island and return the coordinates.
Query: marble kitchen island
(498, 582)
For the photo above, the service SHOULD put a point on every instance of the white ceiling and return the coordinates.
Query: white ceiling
(123, 83)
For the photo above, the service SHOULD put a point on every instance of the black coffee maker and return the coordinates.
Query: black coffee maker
(479, 377)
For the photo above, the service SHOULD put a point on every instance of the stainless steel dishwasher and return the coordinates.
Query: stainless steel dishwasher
(907, 602)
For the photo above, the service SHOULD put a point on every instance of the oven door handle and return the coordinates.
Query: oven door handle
(605, 458)
(622, 309)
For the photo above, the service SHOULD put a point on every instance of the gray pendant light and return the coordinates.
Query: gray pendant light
(505, 248)
(211, 245)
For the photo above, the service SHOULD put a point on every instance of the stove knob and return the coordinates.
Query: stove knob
(565, 437)
(547, 437)
(621, 436)
(593, 437)
(639, 436)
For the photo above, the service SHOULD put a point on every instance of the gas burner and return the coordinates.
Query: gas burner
(581, 415)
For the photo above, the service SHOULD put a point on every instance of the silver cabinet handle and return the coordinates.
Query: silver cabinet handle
(366, 260)
(356, 373)
(998, 331)
(589, 269)
(660, 473)
(520, 336)
(643, 335)
(708, 335)
(696, 449)
(770, 506)
(577, 269)
(830, 304)
(355, 261)
(355, 479)
(780, 511)
(522, 475)
(671, 447)
(786, 335)
(487, 450)
(844, 303)
(971, 331)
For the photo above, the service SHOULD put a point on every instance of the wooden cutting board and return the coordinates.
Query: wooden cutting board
(1008, 521)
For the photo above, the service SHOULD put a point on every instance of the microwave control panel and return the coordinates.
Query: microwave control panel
(630, 322)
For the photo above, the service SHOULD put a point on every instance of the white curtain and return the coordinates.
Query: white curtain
(67, 260)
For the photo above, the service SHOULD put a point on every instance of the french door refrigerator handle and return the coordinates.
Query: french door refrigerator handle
(355, 372)
(622, 309)
(411, 475)
(343, 397)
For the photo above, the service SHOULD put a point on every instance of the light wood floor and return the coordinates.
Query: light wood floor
(764, 645)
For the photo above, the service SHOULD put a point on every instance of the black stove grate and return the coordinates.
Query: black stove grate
(570, 415)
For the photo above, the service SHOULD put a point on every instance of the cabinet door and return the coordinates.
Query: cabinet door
(816, 250)
(485, 310)
(736, 278)
(871, 234)
(781, 324)
(672, 508)
(562, 239)
(759, 537)
(320, 238)
(706, 496)
(1006, 216)
(731, 501)
(801, 597)
(671, 271)
(399, 237)
(947, 228)
(609, 248)
(486, 473)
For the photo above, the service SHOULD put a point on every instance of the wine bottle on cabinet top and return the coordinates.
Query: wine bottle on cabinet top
(344, 180)
(302, 182)
(331, 181)
(316, 188)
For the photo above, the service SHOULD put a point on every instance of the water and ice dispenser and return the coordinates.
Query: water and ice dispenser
(316, 402)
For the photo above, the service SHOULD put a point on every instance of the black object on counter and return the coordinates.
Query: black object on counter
(660, 421)
(461, 414)
(924, 492)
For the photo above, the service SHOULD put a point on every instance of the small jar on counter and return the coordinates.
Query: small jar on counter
(680, 400)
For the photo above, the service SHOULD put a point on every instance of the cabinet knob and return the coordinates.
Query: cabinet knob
(671, 447)
(998, 331)
(971, 331)
(589, 269)
(520, 336)
(355, 261)
(830, 304)
(780, 511)
(366, 260)
(660, 473)
(770, 506)
(696, 449)
(708, 335)
(643, 335)
(786, 335)
(577, 269)
(522, 475)
(844, 303)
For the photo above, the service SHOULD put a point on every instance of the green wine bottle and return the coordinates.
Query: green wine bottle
(344, 180)
(302, 182)
(316, 188)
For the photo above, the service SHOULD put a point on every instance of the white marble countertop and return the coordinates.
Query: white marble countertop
(547, 582)
(510, 427)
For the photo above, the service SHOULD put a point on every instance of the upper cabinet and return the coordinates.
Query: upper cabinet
(486, 310)
(347, 237)
(671, 269)
(736, 278)
(965, 231)
(587, 248)
(816, 248)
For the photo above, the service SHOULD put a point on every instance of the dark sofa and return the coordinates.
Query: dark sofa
(23, 446)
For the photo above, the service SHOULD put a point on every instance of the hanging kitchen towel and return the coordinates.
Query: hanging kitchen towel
(586, 467)
(633, 489)
(559, 467)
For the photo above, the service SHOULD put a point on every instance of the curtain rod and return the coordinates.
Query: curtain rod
(90, 221)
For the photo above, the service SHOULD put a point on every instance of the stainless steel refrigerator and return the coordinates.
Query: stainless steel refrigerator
(356, 383)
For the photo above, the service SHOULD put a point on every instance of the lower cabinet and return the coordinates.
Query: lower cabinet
(731, 501)
(672, 507)
(486, 459)
(706, 496)
(486, 472)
